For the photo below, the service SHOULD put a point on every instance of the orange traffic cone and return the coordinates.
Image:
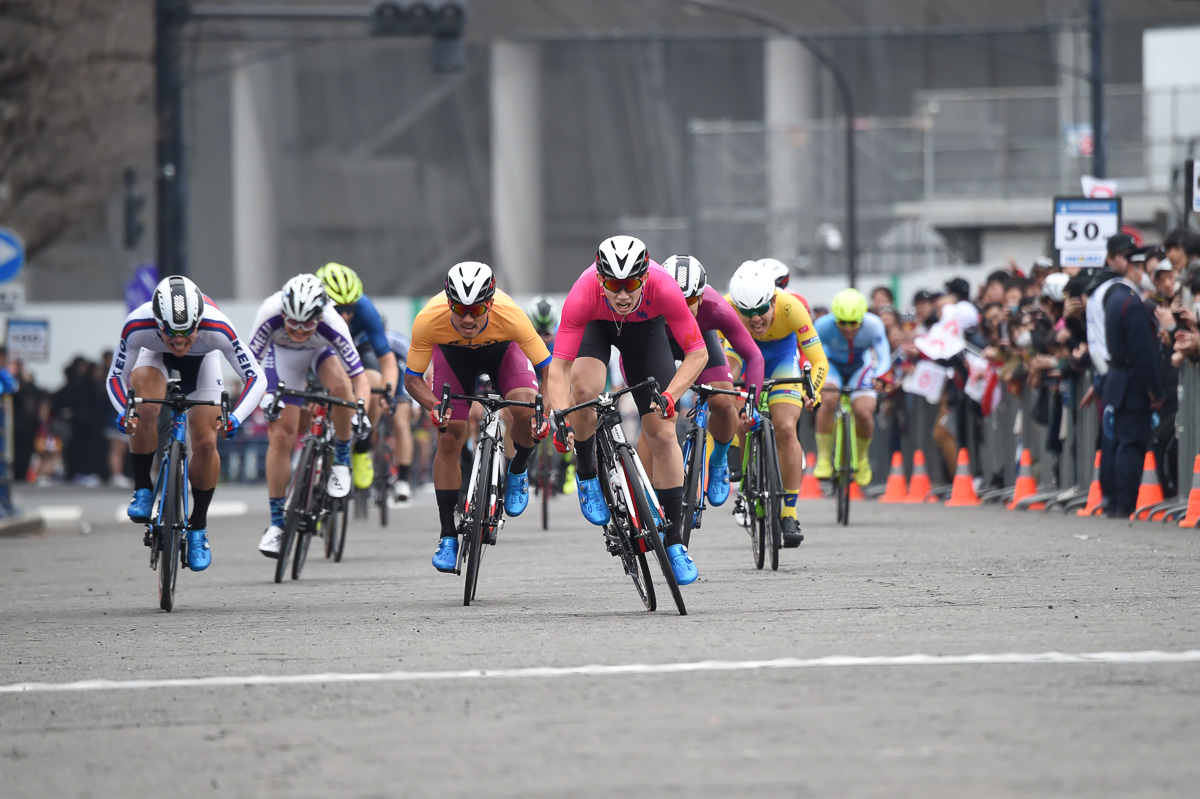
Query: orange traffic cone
(856, 494)
(918, 486)
(1026, 485)
(962, 493)
(1092, 507)
(896, 490)
(810, 486)
(1149, 492)
(1193, 509)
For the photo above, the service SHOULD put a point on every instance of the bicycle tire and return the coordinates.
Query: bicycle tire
(171, 526)
(633, 560)
(642, 500)
(294, 509)
(341, 521)
(480, 509)
(693, 466)
(754, 501)
(383, 468)
(314, 515)
(844, 473)
(774, 495)
(545, 480)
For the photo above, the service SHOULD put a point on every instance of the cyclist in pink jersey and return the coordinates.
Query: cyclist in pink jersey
(621, 302)
(717, 318)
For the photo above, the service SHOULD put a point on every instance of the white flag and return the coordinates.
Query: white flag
(926, 380)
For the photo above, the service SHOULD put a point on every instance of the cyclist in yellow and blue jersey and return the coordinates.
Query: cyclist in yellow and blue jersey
(858, 350)
(782, 328)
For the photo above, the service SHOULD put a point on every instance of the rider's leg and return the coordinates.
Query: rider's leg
(147, 381)
(281, 440)
(447, 476)
(722, 424)
(335, 380)
(829, 401)
(667, 458)
(786, 415)
(588, 376)
(362, 464)
(864, 428)
(204, 463)
(402, 438)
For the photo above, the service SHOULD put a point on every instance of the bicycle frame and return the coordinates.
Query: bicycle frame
(489, 429)
(178, 433)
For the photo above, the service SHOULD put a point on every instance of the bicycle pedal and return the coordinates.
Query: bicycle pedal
(148, 539)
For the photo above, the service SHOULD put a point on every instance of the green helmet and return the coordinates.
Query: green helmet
(543, 312)
(848, 305)
(342, 284)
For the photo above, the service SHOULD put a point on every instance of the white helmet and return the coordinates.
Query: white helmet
(777, 269)
(688, 273)
(1053, 285)
(178, 306)
(304, 298)
(751, 287)
(470, 283)
(622, 257)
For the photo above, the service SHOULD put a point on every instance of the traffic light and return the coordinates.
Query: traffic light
(444, 20)
(134, 203)
(418, 17)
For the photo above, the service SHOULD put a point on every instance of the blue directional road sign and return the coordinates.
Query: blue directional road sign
(12, 255)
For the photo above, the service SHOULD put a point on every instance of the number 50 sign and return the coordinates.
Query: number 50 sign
(1082, 227)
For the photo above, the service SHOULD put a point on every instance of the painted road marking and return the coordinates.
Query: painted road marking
(837, 661)
(234, 507)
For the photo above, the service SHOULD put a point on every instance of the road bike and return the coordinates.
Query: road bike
(381, 460)
(845, 454)
(482, 515)
(636, 518)
(166, 532)
(695, 457)
(760, 497)
(308, 509)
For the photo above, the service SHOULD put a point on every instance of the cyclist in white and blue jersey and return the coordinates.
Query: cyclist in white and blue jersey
(856, 344)
(345, 290)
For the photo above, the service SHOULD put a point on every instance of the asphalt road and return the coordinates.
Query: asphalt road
(819, 686)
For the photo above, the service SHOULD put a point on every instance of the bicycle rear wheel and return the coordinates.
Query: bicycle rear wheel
(755, 498)
(479, 513)
(774, 494)
(171, 525)
(693, 466)
(383, 467)
(545, 479)
(648, 529)
(297, 501)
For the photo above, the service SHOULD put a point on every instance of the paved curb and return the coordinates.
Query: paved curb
(22, 524)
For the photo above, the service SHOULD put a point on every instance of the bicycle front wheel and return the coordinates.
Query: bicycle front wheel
(773, 496)
(171, 525)
(546, 479)
(755, 498)
(383, 468)
(844, 473)
(649, 532)
(693, 467)
(341, 519)
(297, 502)
(478, 515)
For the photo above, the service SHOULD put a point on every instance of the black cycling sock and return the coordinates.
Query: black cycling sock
(520, 459)
(402, 471)
(447, 498)
(201, 497)
(672, 502)
(364, 445)
(585, 458)
(142, 464)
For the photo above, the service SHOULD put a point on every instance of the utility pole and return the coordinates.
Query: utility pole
(1099, 134)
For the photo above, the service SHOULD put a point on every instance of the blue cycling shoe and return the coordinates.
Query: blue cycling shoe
(682, 564)
(591, 501)
(718, 483)
(198, 553)
(516, 493)
(141, 505)
(446, 557)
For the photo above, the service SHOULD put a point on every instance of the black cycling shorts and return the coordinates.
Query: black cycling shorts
(645, 352)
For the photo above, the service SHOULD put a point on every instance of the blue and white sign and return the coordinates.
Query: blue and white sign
(12, 255)
(1082, 228)
(29, 340)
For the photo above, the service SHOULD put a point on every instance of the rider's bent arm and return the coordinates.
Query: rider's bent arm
(419, 391)
(691, 367)
(390, 369)
(558, 385)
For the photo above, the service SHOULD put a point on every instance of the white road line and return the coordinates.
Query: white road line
(60, 513)
(837, 661)
(235, 507)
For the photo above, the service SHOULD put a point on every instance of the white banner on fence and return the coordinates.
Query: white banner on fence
(983, 383)
(926, 380)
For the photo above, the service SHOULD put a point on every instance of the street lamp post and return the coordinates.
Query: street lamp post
(843, 87)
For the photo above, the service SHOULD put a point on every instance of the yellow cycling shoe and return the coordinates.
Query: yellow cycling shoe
(823, 470)
(862, 474)
(363, 469)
